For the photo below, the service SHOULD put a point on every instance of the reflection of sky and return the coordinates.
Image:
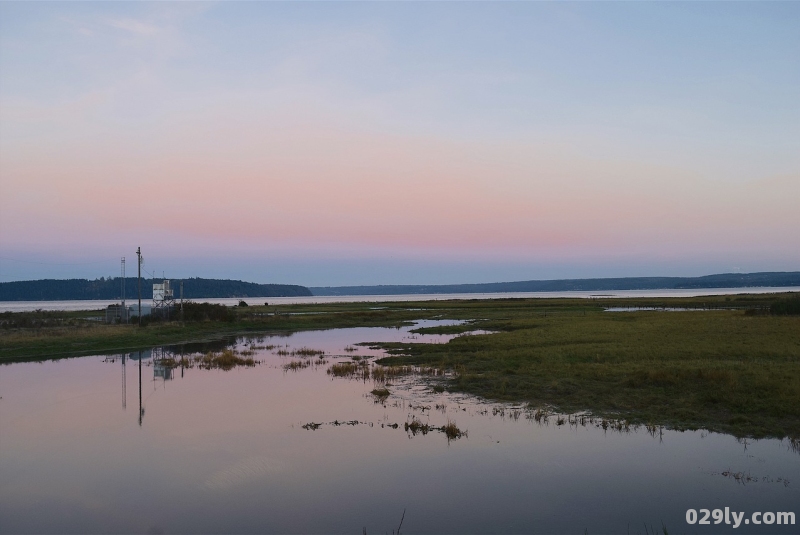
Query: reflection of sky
(399, 143)
(340, 341)
(225, 452)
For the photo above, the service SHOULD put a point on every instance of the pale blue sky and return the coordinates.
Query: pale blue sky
(681, 108)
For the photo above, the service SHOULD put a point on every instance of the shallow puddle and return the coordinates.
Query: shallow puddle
(276, 449)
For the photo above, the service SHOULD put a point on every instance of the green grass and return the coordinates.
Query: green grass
(68, 334)
(719, 369)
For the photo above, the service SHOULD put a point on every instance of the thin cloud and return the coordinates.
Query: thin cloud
(134, 26)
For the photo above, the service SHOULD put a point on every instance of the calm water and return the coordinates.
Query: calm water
(215, 451)
(26, 306)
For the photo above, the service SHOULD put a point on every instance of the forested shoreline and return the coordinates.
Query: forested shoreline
(722, 280)
(111, 288)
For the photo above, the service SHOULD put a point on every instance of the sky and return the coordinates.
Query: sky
(342, 143)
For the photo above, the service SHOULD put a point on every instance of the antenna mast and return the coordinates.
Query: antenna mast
(124, 310)
(139, 286)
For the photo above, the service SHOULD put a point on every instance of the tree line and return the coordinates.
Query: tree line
(723, 280)
(111, 288)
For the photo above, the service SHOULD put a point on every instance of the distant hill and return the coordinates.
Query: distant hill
(724, 280)
(70, 289)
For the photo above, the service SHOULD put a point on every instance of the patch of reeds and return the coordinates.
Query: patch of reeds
(381, 373)
(296, 365)
(380, 394)
(747, 477)
(307, 352)
(254, 347)
(313, 426)
(416, 426)
(451, 430)
(224, 360)
(358, 370)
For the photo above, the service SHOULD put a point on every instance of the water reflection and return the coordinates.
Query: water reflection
(141, 408)
(156, 355)
(234, 451)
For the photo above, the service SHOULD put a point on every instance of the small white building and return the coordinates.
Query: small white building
(162, 292)
(163, 300)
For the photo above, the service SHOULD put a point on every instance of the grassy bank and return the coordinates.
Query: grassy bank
(727, 364)
(47, 335)
(725, 370)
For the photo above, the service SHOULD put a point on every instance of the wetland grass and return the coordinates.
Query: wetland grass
(352, 370)
(380, 374)
(307, 352)
(716, 369)
(416, 426)
(380, 393)
(225, 360)
(451, 430)
(712, 367)
(296, 365)
(45, 335)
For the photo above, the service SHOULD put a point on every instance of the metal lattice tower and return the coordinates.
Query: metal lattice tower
(124, 311)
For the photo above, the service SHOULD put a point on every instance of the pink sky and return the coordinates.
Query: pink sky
(304, 162)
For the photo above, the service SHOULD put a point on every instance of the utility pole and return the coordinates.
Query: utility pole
(181, 312)
(139, 285)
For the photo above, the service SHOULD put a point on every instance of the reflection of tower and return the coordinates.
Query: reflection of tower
(124, 384)
(141, 410)
(161, 369)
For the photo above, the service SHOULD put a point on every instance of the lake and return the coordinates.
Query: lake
(28, 306)
(119, 443)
